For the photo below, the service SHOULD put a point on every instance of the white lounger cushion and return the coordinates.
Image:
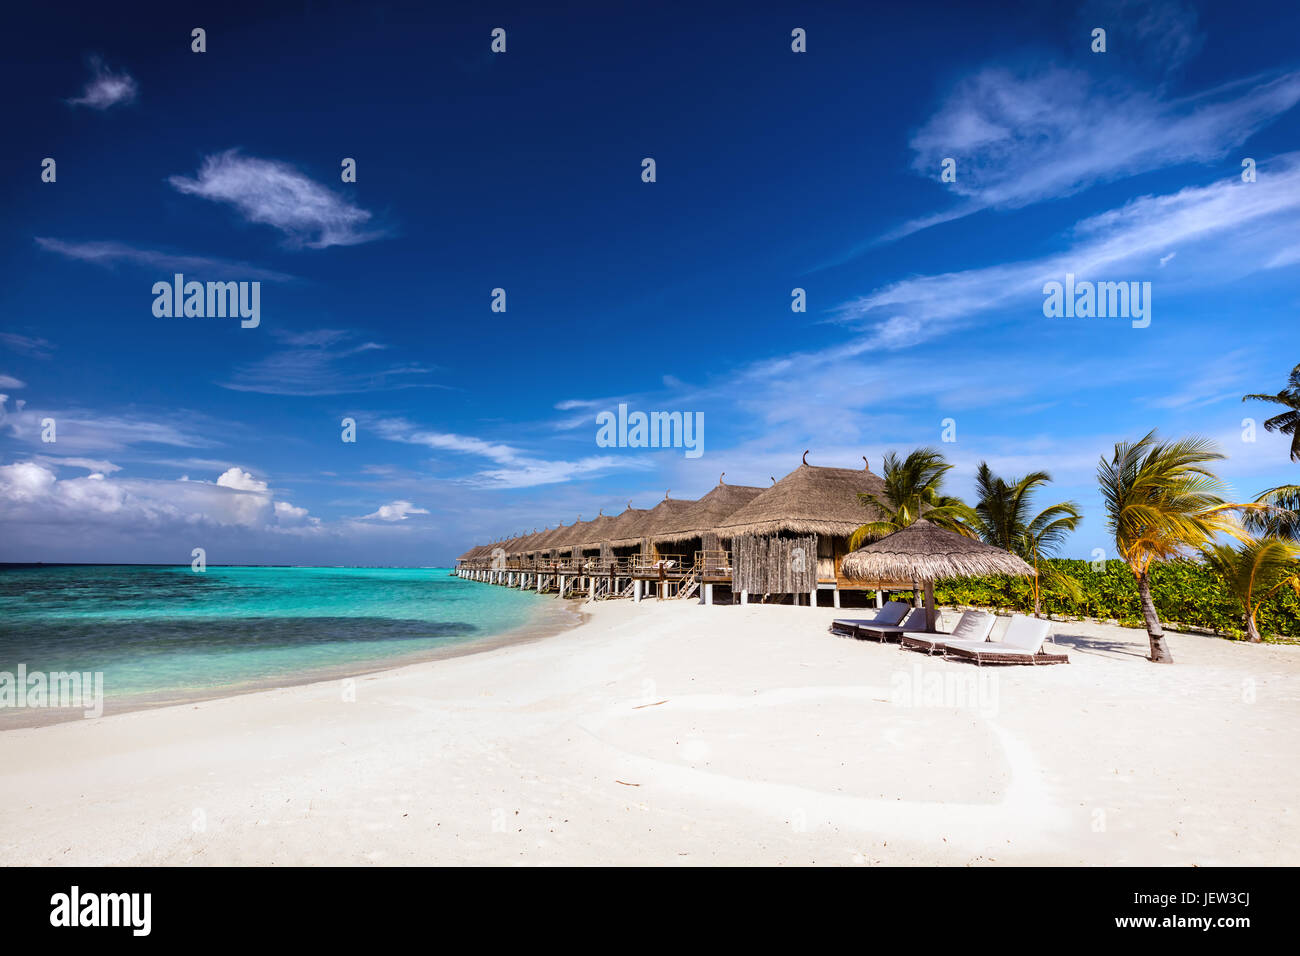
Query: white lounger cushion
(973, 628)
(1026, 633)
(1024, 636)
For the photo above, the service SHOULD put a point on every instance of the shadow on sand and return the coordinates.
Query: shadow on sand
(1100, 646)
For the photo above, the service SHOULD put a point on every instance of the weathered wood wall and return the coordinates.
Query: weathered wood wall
(763, 564)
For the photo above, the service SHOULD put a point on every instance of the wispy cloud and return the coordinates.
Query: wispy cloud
(8, 381)
(1155, 36)
(84, 431)
(109, 253)
(106, 88)
(513, 468)
(26, 344)
(326, 362)
(1022, 137)
(918, 309)
(276, 194)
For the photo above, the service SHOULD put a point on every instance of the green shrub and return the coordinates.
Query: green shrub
(1186, 593)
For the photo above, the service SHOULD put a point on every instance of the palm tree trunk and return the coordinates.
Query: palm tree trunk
(1160, 653)
(1252, 629)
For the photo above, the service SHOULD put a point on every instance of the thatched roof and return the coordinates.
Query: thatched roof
(547, 539)
(652, 521)
(809, 500)
(707, 513)
(596, 530)
(925, 552)
(570, 536)
(625, 524)
(523, 543)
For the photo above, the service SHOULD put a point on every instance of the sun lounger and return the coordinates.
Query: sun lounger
(1021, 644)
(890, 632)
(891, 614)
(974, 626)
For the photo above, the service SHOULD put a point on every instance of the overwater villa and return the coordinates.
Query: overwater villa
(782, 544)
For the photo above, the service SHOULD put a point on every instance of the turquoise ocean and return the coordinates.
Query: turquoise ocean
(169, 633)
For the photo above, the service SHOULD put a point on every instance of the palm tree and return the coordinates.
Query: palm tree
(1162, 501)
(1287, 421)
(1280, 517)
(1255, 573)
(1002, 519)
(912, 490)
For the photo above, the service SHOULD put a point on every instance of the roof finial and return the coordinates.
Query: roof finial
(667, 493)
(773, 477)
(579, 519)
(629, 506)
(721, 476)
(866, 463)
(805, 455)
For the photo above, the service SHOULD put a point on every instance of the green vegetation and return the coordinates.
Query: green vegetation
(913, 487)
(1186, 593)
(1004, 517)
(1162, 501)
(1287, 422)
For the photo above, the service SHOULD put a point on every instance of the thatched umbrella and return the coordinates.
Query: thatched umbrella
(925, 552)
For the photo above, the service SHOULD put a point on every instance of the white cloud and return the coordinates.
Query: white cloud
(286, 513)
(106, 88)
(31, 493)
(274, 193)
(8, 381)
(241, 480)
(397, 511)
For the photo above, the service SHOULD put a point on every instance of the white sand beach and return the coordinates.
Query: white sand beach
(671, 733)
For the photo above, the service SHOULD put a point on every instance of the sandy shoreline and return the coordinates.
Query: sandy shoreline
(677, 734)
(551, 619)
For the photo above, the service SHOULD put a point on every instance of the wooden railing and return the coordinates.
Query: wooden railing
(713, 563)
(664, 562)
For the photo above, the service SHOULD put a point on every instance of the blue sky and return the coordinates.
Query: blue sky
(522, 171)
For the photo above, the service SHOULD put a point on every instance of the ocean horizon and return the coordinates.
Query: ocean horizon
(165, 633)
